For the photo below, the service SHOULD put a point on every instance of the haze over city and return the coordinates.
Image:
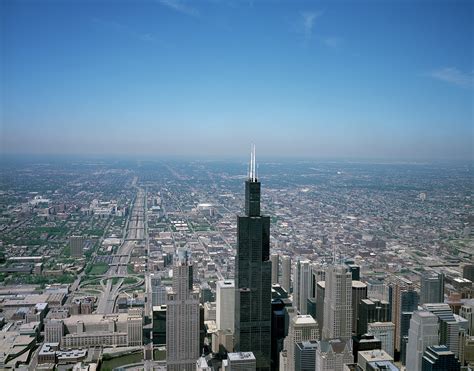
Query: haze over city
(325, 79)
(230, 185)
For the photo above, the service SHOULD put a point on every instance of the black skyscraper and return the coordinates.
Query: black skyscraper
(253, 277)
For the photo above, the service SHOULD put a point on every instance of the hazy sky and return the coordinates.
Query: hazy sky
(373, 79)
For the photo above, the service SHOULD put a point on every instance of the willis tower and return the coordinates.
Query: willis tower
(253, 277)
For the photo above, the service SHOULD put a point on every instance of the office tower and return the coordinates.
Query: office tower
(158, 291)
(311, 307)
(402, 298)
(404, 327)
(467, 312)
(469, 350)
(280, 324)
(422, 334)
(53, 331)
(318, 273)
(432, 288)
(286, 273)
(253, 277)
(384, 331)
(371, 310)
(302, 327)
(305, 355)
(135, 329)
(355, 269)
(359, 292)
(449, 325)
(302, 286)
(439, 358)
(225, 304)
(332, 355)
(76, 246)
(378, 290)
(338, 304)
(320, 291)
(365, 342)
(206, 294)
(275, 262)
(210, 312)
(159, 325)
(372, 356)
(182, 317)
(242, 361)
(468, 272)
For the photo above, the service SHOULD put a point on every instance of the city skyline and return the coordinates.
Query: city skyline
(387, 80)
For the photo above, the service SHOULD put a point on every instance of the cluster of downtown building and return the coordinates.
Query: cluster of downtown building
(315, 315)
(240, 298)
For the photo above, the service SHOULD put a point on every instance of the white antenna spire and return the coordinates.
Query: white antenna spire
(254, 160)
(251, 163)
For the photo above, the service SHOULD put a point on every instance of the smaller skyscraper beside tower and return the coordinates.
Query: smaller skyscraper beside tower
(182, 317)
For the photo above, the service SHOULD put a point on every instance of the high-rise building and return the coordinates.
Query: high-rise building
(286, 273)
(253, 277)
(338, 304)
(182, 317)
(318, 273)
(372, 310)
(467, 312)
(422, 334)
(403, 298)
(225, 304)
(432, 288)
(320, 292)
(159, 325)
(449, 325)
(302, 328)
(275, 263)
(468, 272)
(305, 355)
(53, 331)
(158, 291)
(384, 331)
(302, 286)
(332, 355)
(365, 342)
(76, 246)
(241, 361)
(135, 329)
(359, 292)
(280, 325)
(439, 358)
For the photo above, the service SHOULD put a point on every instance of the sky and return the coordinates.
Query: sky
(337, 79)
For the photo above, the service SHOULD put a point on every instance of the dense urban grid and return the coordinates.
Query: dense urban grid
(207, 265)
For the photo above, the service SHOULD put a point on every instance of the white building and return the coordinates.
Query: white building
(385, 332)
(285, 281)
(241, 361)
(377, 355)
(338, 304)
(302, 327)
(302, 287)
(332, 355)
(423, 332)
(182, 318)
(225, 304)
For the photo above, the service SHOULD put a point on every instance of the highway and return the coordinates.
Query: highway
(134, 235)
